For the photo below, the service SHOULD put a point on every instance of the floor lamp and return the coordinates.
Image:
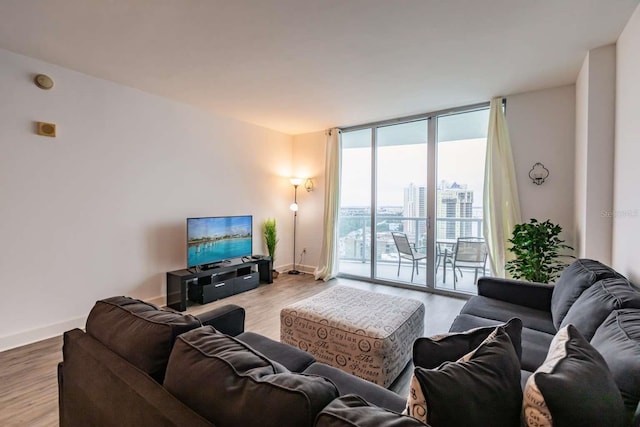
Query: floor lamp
(294, 207)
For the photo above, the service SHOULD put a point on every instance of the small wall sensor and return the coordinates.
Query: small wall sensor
(46, 129)
(43, 81)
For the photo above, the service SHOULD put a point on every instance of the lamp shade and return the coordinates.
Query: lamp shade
(294, 207)
(295, 181)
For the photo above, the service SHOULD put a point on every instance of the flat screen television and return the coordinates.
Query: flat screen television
(212, 240)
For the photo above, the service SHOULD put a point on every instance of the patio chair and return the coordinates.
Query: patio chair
(469, 253)
(408, 251)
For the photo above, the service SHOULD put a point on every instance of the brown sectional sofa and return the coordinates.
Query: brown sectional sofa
(114, 373)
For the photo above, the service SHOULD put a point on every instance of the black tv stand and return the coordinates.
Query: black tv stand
(220, 281)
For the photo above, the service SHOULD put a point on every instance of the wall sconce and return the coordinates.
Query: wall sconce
(538, 173)
(308, 185)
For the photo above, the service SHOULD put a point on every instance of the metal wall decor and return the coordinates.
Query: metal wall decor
(538, 173)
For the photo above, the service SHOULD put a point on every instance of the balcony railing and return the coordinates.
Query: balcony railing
(354, 237)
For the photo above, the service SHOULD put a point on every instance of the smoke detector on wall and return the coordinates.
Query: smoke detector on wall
(43, 81)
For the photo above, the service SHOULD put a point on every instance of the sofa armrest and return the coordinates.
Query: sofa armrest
(528, 294)
(228, 319)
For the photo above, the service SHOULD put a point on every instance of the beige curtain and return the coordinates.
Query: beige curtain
(501, 203)
(328, 265)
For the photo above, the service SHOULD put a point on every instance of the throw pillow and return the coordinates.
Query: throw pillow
(139, 332)
(434, 351)
(353, 411)
(573, 387)
(483, 388)
(618, 341)
(230, 384)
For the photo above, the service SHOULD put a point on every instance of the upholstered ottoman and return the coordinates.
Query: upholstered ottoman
(364, 333)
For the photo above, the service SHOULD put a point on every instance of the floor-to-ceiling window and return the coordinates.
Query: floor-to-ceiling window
(354, 223)
(410, 190)
(401, 201)
(460, 155)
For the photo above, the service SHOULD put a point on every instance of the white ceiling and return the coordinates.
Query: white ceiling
(304, 65)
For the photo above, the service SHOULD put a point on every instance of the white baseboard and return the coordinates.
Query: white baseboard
(309, 269)
(38, 334)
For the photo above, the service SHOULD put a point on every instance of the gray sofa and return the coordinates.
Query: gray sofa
(602, 304)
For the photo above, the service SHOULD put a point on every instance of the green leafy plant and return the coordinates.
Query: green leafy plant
(536, 247)
(271, 237)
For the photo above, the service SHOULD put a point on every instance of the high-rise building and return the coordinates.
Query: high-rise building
(415, 206)
(453, 201)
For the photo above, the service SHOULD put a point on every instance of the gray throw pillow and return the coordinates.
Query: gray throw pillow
(573, 387)
(483, 388)
(433, 351)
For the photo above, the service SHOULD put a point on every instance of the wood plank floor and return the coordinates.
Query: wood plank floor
(28, 378)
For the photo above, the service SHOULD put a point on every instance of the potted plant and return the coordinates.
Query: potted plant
(271, 240)
(536, 247)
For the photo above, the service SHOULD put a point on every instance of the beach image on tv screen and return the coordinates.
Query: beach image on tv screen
(211, 240)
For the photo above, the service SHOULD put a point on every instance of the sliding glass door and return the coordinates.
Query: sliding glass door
(461, 252)
(401, 202)
(410, 190)
(354, 223)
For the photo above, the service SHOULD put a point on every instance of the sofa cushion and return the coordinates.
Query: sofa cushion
(535, 346)
(595, 304)
(483, 386)
(137, 331)
(433, 351)
(618, 340)
(354, 411)
(350, 384)
(290, 357)
(573, 387)
(577, 277)
(503, 311)
(230, 384)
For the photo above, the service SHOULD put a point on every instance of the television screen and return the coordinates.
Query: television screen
(216, 239)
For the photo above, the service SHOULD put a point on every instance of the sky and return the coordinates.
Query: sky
(457, 161)
(402, 158)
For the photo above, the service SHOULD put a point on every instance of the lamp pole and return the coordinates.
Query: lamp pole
(294, 208)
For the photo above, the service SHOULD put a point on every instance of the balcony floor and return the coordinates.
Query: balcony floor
(389, 271)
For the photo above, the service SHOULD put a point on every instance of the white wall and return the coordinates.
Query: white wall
(595, 117)
(542, 128)
(100, 210)
(580, 183)
(309, 161)
(626, 211)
